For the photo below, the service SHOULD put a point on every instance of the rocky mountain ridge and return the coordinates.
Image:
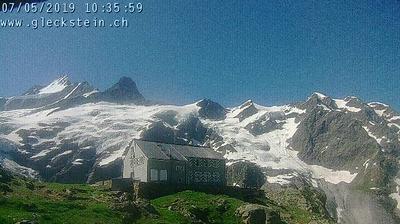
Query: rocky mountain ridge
(73, 133)
(62, 93)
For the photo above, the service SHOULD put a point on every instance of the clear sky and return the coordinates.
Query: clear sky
(179, 51)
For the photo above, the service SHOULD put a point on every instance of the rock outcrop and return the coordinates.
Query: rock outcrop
(258, 214)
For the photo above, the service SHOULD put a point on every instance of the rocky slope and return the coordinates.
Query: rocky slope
(73, 133)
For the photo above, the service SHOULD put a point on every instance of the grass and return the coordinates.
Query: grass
(206, 207)
(56, 203)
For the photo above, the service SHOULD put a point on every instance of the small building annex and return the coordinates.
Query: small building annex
(174, 164)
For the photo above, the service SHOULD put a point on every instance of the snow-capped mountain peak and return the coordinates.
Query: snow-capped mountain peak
(319, 95)
(56, 86)
(244, 111)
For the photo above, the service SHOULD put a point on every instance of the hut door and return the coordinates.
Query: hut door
(180, 174)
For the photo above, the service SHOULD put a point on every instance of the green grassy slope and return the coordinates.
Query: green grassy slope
(56, 203)
(24, 199)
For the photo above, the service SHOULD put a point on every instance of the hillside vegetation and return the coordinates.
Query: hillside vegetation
(23, 199)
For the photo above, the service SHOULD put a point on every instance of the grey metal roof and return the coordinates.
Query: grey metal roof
(163, 151)
(151, 150)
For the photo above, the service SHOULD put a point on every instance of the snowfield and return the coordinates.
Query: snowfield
(342, 104)
(110, 127)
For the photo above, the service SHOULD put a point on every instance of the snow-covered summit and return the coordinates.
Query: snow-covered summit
(319, 95)
(56, 86)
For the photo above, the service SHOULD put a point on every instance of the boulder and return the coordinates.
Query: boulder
(257, 214)
(245, 174)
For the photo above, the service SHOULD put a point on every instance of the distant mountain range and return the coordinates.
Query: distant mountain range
(73, 133)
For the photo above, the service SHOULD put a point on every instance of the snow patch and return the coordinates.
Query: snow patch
(280, 179)
(366, 164)
(86, 95)
(374, 104)
(342, 104)
(377, 139)
(324, 107)
(380, 112)
(41, 154)
(62, 154)
(394, 118)
(332, 176)
(77, 162)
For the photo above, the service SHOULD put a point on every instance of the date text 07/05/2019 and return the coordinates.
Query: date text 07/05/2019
(54, 7)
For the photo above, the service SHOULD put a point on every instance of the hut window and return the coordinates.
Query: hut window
(163, 175)
(153, 175)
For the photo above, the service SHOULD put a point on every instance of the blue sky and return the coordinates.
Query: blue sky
(273, 52)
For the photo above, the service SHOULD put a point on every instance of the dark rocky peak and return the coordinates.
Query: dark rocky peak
(318, 95)
(367, 114)
(353, 101)
(125, 90)
(211, 110)
(246, 110)
(317, 100)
